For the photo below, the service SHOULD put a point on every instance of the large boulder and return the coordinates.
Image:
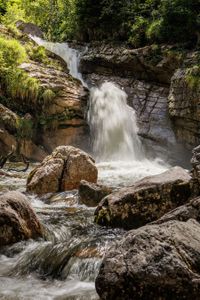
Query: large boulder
(17, 219)
(153, 262)
(62, 170)
(145, 201)
(91, 194)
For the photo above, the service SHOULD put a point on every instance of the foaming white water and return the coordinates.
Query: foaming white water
(113, 125)
(69, 55)
(126, 173)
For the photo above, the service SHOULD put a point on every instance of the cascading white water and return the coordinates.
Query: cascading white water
(113, 125)
(69, 55)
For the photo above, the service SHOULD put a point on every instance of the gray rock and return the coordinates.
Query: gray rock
(184, 108)
(153, 262)
(29, 28)
(147, 200)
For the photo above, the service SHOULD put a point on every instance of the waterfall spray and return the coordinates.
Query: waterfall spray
(113, 125)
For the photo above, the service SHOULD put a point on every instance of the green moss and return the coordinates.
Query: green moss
(21, 86)
(37, 53)
(48, 96)
(193, 77)
(12, 53)
(24, 128)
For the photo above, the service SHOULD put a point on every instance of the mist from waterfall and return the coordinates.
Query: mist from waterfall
(113, 125)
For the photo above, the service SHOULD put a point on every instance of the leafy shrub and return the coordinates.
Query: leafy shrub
(24, 128)
(12, 53)
(37, 53)
(193, 77)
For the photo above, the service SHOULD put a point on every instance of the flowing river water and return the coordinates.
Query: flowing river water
(64, 266)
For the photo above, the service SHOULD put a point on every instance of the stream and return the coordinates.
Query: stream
(65, 265)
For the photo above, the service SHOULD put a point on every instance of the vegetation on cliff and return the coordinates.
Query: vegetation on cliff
(136, 22)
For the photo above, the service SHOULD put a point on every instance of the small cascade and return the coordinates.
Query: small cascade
(69, 55)
(113, 125)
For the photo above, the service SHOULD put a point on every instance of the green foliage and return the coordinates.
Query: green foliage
(13, 11)
(137, 32)
(48, 96)
(12, 53)
(20, 85)
(193, 77)
(37, 53)
(24, 128)
(136, 22)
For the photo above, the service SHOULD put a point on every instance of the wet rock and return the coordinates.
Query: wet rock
(17, 219)
(145, 201)
(153, 262)
(62, 170)
(91, 194)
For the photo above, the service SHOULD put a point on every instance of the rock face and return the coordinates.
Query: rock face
(148, 63)
(167, 117)
(62, 170)
(184, 108)
(195, 162)
(153, 262)
(145, 75)
(62, 118)
(17, 219)
(146, 201)
(29, 28)
(91, 194)
(9, 130)
(56, 104)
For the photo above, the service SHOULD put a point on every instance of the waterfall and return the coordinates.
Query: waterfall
(113, 125)
(69, 55)
(112, 122)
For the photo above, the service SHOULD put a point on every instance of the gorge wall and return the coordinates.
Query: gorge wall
(49, 112)
(158, 86)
